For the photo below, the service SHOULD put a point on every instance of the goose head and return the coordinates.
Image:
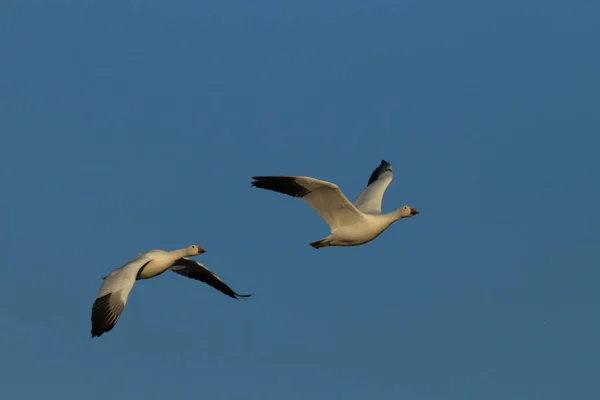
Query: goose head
(194, 250)
(407, 212)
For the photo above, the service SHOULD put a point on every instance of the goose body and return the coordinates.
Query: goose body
(350, 224)
(116, 286)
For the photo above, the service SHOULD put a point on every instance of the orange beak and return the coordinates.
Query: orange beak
(201, 250)
(413, 211)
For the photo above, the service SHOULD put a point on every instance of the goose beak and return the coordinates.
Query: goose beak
(201, 250)
(413, 211)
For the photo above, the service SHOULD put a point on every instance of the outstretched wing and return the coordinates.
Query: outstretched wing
(324, 197)
(194, 270)
(113, 294)
(370, 199)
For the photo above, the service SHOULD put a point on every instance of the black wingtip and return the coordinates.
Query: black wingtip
(384, 166)
(242, 296)
(281, 184)
(319, 243)
(97, 332)
(255, 180)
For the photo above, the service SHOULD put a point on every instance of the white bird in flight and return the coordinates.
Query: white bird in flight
(350, 224)
(117, 285)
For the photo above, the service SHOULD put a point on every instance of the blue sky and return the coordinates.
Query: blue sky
(133, 125)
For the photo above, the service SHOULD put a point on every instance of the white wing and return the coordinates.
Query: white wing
(324, 197)
(370, 199)
(112, 297)
(194, 270)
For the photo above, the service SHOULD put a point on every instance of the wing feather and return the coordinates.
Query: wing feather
(324, 197)
(112, 296)
(194, 270)
(370, 199)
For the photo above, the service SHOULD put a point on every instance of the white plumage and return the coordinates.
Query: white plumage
(349, 224)
(117, 285)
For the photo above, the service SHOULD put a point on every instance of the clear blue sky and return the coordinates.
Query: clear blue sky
(131, 125)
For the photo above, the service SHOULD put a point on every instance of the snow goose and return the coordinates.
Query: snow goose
(350, 224)
(117, 285)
